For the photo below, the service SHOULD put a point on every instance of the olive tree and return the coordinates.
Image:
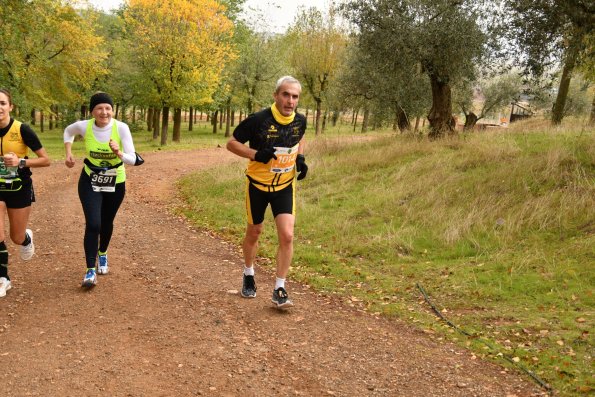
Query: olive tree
(441, 38)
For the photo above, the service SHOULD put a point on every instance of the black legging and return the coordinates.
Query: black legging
(100, 210)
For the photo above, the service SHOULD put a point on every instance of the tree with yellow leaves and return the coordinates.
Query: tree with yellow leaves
(49, 52)
(181, 47)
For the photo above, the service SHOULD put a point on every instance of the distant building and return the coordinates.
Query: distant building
(519, 111)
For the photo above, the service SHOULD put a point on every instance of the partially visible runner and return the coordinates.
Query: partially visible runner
(276, 152)
(102, 186)
(16, 185)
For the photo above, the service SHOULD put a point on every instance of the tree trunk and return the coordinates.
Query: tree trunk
(150, 119)
(214, 121)
(440, 116)
(191, 119)
(355, 119)
(32, 116)
(133, 114)
(41, 120)
(83, 112)
(416, 124)
(401, 119)
(335, 117)
(249, 104)
(177, 124)
(221, 116)
(324, 118)
(569, 62)
(233, 117)
(470, 121)
(156, 118)
(318, 114)
(228, 120)
(164, 125)
(117, 111)
(366, 118)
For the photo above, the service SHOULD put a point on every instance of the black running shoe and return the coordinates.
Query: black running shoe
(281, 299)
(249, 287)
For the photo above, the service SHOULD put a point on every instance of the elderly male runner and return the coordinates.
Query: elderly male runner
(276, 154)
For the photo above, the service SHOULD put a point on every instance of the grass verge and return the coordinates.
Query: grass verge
(498, 228)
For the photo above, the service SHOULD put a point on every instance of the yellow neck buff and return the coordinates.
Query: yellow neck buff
(279, 117)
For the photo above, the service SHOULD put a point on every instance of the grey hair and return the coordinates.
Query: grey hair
(287, 79)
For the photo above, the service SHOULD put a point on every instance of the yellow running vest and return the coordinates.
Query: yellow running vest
(13, 141)
(100, 154)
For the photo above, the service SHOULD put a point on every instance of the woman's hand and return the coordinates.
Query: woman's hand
(115, 148)
(11, 159)
(69, 161)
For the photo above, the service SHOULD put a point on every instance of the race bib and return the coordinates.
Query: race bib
(104, 181)
(285, 161)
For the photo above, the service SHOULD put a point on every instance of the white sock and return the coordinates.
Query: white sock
(249, 271)
(279, 283)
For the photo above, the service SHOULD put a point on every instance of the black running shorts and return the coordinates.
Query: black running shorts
(21, 198)
(281, 201)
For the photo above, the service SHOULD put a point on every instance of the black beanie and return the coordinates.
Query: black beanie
(100, 97)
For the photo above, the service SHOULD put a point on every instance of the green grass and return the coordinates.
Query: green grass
(201, 137)
(499, 228)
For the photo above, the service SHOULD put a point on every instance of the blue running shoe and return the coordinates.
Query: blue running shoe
(90, 278)
(102, 268)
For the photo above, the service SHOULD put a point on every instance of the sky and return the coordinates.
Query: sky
(278, 14)
(274, 14)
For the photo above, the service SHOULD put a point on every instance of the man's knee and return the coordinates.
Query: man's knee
(253, 232)
(285, 237)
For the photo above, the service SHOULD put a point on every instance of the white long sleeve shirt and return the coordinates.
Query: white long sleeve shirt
(103, 134)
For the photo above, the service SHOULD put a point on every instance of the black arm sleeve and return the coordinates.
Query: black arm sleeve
(30, 138)
(245, 130)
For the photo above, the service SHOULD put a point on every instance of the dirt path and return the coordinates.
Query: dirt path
(168, 321)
